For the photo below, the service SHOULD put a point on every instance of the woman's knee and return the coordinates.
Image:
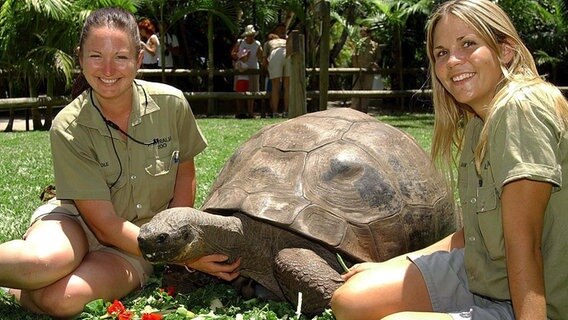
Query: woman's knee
(345, 302)
(54, 264)
(54, 248)
(58, 303)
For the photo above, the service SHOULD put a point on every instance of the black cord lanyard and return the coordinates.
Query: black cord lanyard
(113, 125)
(109, 124)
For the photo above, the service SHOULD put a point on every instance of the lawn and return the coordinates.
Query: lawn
(25, 169)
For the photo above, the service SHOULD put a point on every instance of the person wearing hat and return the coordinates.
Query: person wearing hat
(249, 43)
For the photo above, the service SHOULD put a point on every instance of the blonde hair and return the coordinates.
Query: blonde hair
(494, 26)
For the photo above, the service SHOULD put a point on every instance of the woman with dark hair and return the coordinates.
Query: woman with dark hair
(122, 150)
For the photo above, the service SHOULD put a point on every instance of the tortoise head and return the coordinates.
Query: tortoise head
(172, 235)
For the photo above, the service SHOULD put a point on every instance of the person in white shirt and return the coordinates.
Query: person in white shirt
(172, 49)
(253, 46)
(151, 46)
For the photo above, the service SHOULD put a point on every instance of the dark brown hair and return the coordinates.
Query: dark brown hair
(111, 17)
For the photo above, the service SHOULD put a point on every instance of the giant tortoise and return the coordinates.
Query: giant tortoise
(301, 191)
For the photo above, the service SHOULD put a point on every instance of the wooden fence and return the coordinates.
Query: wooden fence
(44, 102)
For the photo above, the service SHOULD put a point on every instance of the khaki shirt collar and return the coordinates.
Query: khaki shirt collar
(142, 104)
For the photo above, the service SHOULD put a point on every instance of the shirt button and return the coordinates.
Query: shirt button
(473, 200)
(472, 238)
(138, 206)
(132, 177)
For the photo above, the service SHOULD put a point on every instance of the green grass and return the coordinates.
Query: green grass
(25, 168)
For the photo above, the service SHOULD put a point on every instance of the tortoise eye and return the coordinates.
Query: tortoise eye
(162, 238)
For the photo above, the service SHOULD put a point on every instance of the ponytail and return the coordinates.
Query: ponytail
(80, 84)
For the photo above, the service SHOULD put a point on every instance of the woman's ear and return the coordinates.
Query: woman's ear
(507, 52)
(79, 57)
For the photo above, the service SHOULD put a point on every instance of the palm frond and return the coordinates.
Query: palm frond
(52, 9)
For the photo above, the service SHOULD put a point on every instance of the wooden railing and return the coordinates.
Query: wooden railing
(43, 101)
(13, 104)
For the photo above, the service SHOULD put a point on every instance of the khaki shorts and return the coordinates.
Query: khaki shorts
(278, 64)
(54, 206)
(446, 279)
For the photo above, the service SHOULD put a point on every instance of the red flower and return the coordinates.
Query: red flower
(116, 308)
(171, 291)
(126, 315)
(151, 316)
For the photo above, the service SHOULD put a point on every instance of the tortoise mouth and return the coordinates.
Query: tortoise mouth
(153, 257)
(154, 251)
(160, 255)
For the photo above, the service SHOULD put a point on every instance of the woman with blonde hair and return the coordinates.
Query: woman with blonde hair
(508, 127)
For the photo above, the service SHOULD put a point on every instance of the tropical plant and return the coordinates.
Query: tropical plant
(399, 25)
(168, 13)
(43, 59)
(40, 56)
(543, 26)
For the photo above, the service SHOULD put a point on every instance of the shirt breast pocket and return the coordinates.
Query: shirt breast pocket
(162, 173)
(161, 164)
(490, 221)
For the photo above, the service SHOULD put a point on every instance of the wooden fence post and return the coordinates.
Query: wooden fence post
(296, 54)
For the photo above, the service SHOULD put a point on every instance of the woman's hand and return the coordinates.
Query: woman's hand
(359, 268)
(216, 265)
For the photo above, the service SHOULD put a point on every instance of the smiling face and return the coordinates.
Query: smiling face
(465, 65)
(110, 61)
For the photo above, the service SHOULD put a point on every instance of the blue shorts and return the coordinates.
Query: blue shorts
(446, 279)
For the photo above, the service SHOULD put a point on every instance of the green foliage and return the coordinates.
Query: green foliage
(543, 26)
(42, 52)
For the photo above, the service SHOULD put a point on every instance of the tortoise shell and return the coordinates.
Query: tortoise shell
(342, 178)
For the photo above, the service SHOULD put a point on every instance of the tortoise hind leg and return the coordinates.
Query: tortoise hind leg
(303, 270)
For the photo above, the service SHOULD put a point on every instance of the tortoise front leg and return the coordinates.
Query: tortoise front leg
(303, 270)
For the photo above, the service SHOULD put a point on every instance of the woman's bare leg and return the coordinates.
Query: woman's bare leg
(100, 275)
(389, 287)
(54, 247)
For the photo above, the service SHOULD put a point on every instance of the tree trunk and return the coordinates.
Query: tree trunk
(399, 83)
(210, 63)
(324, 55)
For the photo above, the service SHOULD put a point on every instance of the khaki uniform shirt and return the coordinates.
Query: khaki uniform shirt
(525, 141)
(89, 156)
